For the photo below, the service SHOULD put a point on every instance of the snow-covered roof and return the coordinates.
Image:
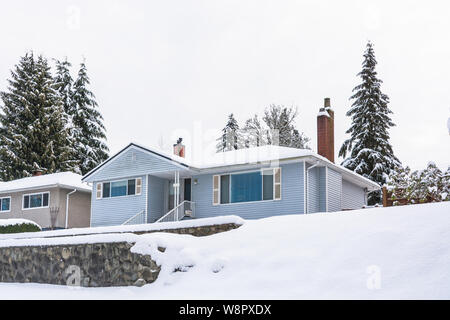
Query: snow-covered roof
(261, 154)
(249, 156)
(62, 179)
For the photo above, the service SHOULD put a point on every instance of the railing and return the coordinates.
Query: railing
(140, 218)
(184, 209)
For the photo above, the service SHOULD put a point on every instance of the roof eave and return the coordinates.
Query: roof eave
(47, 186)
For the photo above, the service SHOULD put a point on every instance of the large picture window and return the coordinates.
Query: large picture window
(5, 204)
(261, 185)
(119, 188)
(37, 200)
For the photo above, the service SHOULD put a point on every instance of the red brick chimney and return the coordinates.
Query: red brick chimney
(325, 131)
(179, 149)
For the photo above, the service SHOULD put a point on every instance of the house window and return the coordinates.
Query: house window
(267, 184)
(225, 189)
(247, 187)
(119, 188)
(5, 204)
(37, 200)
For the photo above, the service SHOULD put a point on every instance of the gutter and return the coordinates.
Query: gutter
(67, 206)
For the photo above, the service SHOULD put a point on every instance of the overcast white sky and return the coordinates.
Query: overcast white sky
(178, 68)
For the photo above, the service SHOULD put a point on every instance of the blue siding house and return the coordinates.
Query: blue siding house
(145, 185)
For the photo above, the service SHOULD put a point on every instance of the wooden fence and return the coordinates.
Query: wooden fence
(389, 200)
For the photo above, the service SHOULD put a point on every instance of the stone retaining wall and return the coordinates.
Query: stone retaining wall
(88, 265)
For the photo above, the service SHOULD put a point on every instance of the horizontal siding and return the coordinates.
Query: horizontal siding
(132, 162)
(115, 211)
(156, 197)
(322, 189)
(313, 190)
(353, 196)
(291, 198)
(334, 191)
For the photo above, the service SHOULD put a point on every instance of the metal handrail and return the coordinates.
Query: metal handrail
(176, 214)
(136, 216)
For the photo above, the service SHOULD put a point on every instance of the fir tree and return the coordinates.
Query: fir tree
(33, 132)
(63, 84)
(230, 138)
(369, 149)
(88, 130)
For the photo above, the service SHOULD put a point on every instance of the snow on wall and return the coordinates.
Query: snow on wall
(117, 230)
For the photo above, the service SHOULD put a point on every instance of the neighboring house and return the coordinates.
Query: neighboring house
(59, 200)
(145, 183)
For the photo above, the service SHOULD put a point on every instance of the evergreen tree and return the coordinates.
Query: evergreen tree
(370, 153)
(63, 84)
(299, 140)
(33, 133)
(421, 185)
(281, 131)
(88, 130)
(253, 133)
(230, 138)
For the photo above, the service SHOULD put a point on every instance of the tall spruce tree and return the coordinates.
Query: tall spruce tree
(87, 125)
(370, 152)
(33, 131)
(230, 138)
(63, 84)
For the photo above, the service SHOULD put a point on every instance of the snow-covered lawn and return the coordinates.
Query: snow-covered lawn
(381, 253)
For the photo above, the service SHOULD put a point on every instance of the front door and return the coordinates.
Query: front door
(187, 189)
(171, 197)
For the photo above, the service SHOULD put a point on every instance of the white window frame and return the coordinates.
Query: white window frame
(137, 192)
(5, 211)
(35, 194)
(99, 189)
(262, 186)
(277, 183)
(216, 189)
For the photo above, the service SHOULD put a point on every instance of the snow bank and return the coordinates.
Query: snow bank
(380, 253)
(13, 222)
(123, 229)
